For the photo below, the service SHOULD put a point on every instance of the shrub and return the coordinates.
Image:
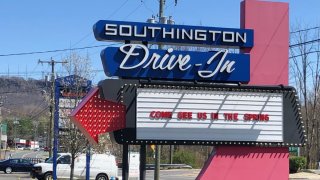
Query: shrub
(184, 157)
(297, 163)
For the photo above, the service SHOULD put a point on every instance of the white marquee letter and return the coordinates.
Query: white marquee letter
(224, 36)
(200, 35)
(111, 29)
(123, 33)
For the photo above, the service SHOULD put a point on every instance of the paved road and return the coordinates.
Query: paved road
(14, 176)
(184, 174)
(175, 174)
(25, 154)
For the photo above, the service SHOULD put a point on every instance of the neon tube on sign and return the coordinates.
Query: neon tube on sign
(137, 61)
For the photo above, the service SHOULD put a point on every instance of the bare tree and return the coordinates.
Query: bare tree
(305, 71)
(72, 139)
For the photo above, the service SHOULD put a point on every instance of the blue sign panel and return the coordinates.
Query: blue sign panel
(137, 61)
(105, 30)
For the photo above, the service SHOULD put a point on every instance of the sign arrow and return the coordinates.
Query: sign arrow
(94, 116)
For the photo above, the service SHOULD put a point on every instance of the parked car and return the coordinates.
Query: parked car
(16, 165)
(102, 167)
(20, 148)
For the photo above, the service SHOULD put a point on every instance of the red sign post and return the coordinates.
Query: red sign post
(269, 66)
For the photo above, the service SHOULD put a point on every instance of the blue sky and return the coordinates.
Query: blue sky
(37, 25)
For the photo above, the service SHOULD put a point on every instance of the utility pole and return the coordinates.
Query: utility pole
(158, 147)
(1, 103)
(2, 146)
(53, 123)
(88, 152)
(15, 123)
(52, 63)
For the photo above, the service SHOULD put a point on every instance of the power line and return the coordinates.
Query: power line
(90, 47)
(311, 52)
(23, 91)
(69, 49)
(38, 105)
(57, 50)
(112, 14)
(52, 63)
(9, 111)
(303, 43)
(302, 30)
(133, 11)
(22, 74)
(149, 9)
(40, 112)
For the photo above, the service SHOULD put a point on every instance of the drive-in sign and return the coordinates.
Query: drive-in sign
(171, 96)
(135, 60)
(138, 61)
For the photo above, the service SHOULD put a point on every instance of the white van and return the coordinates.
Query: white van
(102, 167)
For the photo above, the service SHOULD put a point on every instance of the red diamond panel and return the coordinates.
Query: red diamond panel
(95, 116)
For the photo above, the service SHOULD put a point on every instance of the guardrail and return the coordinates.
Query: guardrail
(164, 166)
(169, 166)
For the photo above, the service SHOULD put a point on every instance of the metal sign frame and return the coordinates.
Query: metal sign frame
(124, 91)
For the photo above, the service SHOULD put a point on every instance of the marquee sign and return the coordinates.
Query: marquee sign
(175, 114)
(106, 30)
(137, 61)
(161, 112)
